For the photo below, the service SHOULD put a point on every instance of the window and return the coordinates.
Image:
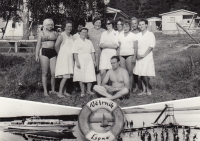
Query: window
(172, 20)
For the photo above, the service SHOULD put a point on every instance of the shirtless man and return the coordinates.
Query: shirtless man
(119, 78)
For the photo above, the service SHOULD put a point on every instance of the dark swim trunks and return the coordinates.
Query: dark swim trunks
(48, 52)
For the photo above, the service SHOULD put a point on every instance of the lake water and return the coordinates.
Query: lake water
(188, 118)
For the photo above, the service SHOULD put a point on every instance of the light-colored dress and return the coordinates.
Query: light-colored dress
(145, 66)
(84, 49)
(107, 53)
(95, 35)
(65, 63)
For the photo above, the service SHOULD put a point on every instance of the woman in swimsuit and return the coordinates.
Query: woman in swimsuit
(46, 53)
(127, 51)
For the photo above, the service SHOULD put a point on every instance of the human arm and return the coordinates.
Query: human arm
(118, 49)
(145, 54)
(93, 58)
(77, 61)
(58, 43)
(105, 80)
(106, 45)
(152, 42)
(135, 44)
(38, 46)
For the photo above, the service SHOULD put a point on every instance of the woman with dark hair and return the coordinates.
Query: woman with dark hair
(84, 71)
(81, 24)
(119, 24)
(46, 53)
(94, 35)
(65, 64)
(127, 49)
(108, 44)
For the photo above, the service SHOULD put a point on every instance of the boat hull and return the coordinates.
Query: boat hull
(41, 128)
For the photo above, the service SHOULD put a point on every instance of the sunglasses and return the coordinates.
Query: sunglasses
(108, 23)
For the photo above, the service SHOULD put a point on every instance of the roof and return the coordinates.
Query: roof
(154, 19)
(181, 10)
(113, 10)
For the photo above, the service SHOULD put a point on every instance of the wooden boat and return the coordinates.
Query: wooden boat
(36, 123)
(104, 122)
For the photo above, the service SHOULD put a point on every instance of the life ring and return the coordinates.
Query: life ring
(94, 105)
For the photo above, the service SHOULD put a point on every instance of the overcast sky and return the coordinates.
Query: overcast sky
(13, 107)
(184, 103)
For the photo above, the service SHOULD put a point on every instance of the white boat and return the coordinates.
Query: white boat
(36, 123)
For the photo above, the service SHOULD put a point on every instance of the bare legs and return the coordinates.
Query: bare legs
(128, 65)
(62, 88)
(145, 85)
(45, 64)
(89, 86)
(102, 91)
(103, 74)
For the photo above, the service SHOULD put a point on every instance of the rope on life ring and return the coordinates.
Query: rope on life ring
(93, 106)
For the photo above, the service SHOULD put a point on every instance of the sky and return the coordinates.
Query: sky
(183, 103)
(14, 107)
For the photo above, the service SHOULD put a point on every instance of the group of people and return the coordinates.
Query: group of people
(115, 59)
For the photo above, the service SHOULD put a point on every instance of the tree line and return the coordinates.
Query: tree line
(38, 10)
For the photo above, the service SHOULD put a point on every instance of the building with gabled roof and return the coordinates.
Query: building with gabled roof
(184, 17)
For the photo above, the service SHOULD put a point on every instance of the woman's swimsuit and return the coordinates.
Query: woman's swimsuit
(125, 57)
(48, 52)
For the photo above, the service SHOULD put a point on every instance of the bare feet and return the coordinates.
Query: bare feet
(82, 95)
(66, 94)
(60, 95)
(52, 92)
(142, 93)
(89, 92)
(149, 93)
(135, 89)
(46, 94)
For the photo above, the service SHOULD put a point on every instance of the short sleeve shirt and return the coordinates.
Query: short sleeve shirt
(145, 41)
(127, 46)
(111, 38)
(81, 46)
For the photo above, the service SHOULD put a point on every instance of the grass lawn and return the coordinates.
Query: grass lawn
(177, 76)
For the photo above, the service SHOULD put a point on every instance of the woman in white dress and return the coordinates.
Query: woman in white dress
(145, 62)
(64, 64)
(127, 50)
(108, 44)
(84, 69)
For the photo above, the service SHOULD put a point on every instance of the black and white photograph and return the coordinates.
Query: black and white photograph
(69, 52)
(167, 121)
(35, 121)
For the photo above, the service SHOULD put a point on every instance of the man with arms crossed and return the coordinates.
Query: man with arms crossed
(119, 78)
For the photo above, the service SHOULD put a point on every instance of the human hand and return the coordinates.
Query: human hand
(133, 61)
(37, 58)
(95, 64)
(111, 89)
(107, 87)
(78, 65)
(139, 57)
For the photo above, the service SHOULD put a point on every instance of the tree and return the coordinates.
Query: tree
(58, 10)
(10, 10)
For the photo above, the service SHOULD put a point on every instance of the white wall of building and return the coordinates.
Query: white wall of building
(12, 33)
(167, 24)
